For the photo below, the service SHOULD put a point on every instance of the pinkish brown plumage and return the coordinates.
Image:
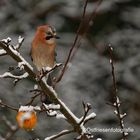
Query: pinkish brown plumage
(43, 47)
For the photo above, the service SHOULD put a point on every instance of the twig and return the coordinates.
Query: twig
(74, 44)
(2, 104)
(20, 41)
(89, 117)
(116, 101)
(87, 107)
(62, 133)
(52, 69)
(33, 98)
(86, 27)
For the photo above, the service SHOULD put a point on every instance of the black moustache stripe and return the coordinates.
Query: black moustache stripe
(49, 37)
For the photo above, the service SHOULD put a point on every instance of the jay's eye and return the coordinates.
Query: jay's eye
(49, 33)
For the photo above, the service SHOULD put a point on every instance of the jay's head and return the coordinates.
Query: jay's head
(47, 32)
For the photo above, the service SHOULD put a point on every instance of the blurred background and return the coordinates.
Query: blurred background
(89, 76)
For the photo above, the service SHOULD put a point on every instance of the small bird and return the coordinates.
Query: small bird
(43, 48)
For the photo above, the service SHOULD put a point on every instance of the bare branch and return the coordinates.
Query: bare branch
(33, 98)
(78, 38)
(86, 27)
(73, 46)
(62, 133)
(2, 104)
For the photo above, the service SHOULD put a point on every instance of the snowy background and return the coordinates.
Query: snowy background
(89, 77)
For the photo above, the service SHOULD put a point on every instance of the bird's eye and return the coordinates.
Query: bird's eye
(49, 33)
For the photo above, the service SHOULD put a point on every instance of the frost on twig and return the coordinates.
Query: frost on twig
(116, 101)
(20, 41)
(48, 70)
(7, 40)
(84, 119)
(87, 117)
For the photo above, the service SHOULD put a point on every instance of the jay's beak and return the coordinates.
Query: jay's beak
(52, 36)
(57, 37)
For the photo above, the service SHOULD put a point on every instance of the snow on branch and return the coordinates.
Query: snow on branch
(10, 75)
(2, 52)
(52, 111)
(20, 41)
(49, 91)
(116, 101)
(76, 123)
(86, 117)
(64, 132)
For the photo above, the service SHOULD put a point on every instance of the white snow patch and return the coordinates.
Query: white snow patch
(25, 116)
(20, 39)
(7, 40)
(21, 65)
(35, 86)
(116, 112)
(2, 51)
(122, 115)
(91, 116)
(99, 139)
(26, 108)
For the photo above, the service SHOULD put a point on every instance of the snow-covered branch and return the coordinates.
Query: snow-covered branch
(20, 41)
(62, 133)
(15, 77)
(52, 111)
(49, 91)
(85, 118)
(10, 75)
(116, 101)
(89, 117)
